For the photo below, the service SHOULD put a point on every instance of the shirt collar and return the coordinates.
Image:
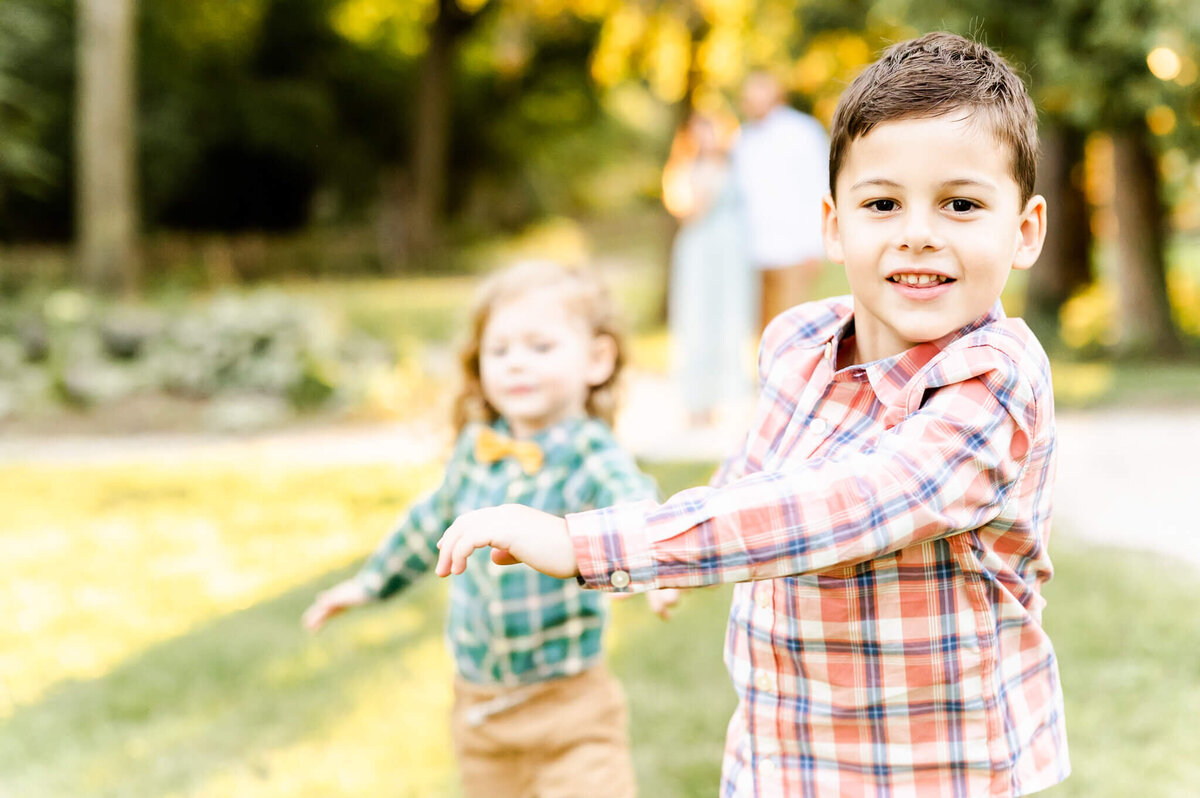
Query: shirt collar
(890, 376)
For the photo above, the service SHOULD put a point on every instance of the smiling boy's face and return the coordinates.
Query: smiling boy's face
(928, 223)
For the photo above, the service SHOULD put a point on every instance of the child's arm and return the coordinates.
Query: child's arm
(403, 556)
(948, 468)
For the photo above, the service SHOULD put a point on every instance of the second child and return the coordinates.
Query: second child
(536, 712)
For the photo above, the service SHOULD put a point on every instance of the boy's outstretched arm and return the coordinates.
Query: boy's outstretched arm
(519, 533)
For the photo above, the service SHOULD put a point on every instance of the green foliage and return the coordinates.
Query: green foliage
(1085, 61)
(36, 82)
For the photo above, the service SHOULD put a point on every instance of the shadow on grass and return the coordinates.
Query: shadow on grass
(213, 700)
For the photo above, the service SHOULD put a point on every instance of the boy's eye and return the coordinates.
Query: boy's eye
(495, 351)
(962, 205)
(542, 347)
(882, 205)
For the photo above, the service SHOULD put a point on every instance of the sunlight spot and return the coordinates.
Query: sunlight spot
(1160, 119)
(1164, 63)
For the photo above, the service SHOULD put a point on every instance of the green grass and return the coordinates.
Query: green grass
(1127, 633)
(151, 647)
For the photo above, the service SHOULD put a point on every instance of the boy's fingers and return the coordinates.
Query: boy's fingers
(463, 547)
(503, 557)
(445, 550)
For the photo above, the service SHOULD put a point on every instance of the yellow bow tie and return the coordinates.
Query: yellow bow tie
(491, 446)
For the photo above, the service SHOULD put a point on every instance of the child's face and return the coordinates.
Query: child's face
(538, 362)
(928, 223)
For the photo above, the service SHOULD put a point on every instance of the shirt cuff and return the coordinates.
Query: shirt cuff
(613, 549)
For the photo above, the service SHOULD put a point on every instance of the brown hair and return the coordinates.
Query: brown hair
(581, 291)
(933, 75)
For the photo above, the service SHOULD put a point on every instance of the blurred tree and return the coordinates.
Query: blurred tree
(431, 138)
(37, 76)
(106, 208)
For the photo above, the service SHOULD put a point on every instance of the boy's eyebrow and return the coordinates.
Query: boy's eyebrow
(885, 183)
(968, 181)
(875, 181)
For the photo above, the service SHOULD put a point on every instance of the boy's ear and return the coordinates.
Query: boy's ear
(1032, 233)
(602, 360)
(830, 231)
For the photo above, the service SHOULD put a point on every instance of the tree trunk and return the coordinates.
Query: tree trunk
(1143, 306)
(430, 155)
(106, 207)
(1065, 264)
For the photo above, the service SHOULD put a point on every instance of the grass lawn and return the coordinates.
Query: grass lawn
(152, 647)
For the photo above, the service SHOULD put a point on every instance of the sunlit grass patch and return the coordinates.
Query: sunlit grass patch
(99, 563)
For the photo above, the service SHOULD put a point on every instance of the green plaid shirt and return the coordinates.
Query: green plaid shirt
(509, 624)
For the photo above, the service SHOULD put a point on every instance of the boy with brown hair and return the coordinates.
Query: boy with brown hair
(888, 515)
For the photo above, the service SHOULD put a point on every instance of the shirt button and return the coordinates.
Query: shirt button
(767, 766)
(763, 598)
(619, 579)
(818, 426)
(764, 682)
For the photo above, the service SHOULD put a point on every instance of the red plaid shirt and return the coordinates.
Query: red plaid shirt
(889, 524)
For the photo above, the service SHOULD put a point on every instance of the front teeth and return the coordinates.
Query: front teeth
(918, 279)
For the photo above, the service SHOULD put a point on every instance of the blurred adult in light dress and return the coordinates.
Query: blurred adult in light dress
(712, 288)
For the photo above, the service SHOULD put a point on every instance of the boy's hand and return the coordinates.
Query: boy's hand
(334, 601)
(518, 533)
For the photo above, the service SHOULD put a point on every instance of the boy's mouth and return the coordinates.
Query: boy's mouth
(919, 280)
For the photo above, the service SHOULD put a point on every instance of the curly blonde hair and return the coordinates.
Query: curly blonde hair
(581, 291)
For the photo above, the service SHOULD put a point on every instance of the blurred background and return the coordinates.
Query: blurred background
(237, 242)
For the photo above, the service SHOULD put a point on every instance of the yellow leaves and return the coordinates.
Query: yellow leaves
(721, 57)
(1160, 119)
(1183, 288)
(620, 37)
(832, 61)
(1082, 383)
(1087, 318)
(668, 57)
(400, 23)
(725, 13)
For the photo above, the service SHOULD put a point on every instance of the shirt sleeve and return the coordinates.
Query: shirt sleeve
(410, 549)
(947, 468)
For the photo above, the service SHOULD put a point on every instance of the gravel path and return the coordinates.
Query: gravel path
(1125, 477)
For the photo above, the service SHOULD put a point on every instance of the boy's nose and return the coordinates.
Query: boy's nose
(917, 233)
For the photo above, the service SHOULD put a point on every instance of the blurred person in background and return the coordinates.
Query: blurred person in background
(780, 167)
(712, 289)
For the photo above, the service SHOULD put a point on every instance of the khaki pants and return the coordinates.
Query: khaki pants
(785, 287)
(566, 738)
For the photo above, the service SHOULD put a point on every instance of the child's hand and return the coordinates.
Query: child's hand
(662, 601)
(333, 601)
(518, 533)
